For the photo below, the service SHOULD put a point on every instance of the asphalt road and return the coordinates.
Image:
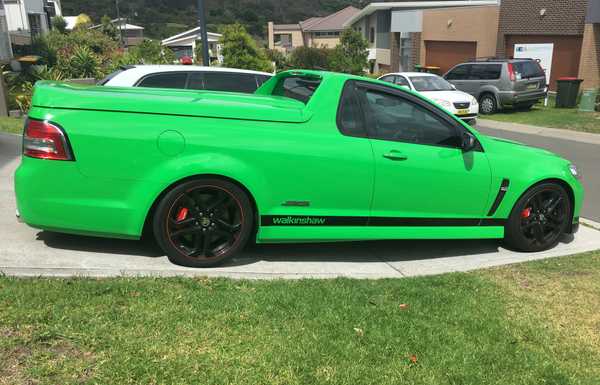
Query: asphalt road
(585, 156)
(10, 147)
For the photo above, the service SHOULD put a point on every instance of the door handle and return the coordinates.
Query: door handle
(395, 155)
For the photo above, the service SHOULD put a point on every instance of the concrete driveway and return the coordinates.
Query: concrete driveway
(28, 252)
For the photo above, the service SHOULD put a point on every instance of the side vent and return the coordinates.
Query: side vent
(503, 189)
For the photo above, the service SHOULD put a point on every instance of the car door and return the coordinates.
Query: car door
(421, 170)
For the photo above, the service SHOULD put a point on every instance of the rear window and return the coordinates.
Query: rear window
(230, 81)
(297, 87)
(165, 80)
(528, 69)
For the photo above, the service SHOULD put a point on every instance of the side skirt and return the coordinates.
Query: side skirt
(282, 234)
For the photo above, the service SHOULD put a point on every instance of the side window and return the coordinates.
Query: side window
(165, 80)
(458, 73)
(230, 81)
(350, 119)
(196, 81)
(401, 81)
(297, 87)
(392, 117)
(388, 78)
(485, 71)
(260, 79)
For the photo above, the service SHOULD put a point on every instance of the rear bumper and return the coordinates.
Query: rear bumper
(512, 97)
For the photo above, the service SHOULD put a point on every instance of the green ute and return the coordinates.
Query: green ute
(311, 156)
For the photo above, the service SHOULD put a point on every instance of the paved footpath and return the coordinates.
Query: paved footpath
(29, 252)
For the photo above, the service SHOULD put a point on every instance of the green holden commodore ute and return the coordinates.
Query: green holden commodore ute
(310, 157)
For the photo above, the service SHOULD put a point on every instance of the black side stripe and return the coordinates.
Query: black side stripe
(503, 189)
(302, 220)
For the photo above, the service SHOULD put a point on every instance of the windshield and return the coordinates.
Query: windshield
(430, 83)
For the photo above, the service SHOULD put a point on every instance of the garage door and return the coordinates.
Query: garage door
(565, 57)
(446, 54)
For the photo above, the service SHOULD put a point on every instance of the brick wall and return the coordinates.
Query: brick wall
(522, 17)
(415, 54)
(589, 67)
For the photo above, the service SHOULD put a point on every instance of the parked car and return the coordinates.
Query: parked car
(311, 156)
(497, 83)
(440, 91)
(187, 77)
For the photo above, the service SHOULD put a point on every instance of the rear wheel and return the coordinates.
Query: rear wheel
(202, 223)
(524, 106)
(487, 104)
(539, 218)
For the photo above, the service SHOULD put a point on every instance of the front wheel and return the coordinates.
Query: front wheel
(202, 223)
(539, 218)
(487, 104)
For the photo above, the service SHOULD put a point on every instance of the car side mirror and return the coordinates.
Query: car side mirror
(468, 142)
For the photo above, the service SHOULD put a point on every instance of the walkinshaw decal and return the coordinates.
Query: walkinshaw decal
(301, 220)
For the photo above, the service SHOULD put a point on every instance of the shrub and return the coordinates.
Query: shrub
(79, 62)
(152, 52)
(281, 61)
(350, 56)
(310, 58)
(240, 50)
(82, 21)
(59, 24)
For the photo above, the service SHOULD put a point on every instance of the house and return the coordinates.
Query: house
(132, 35)
(184, 44)
(26, 19)
(314, 32)
(5, 46)
(437, 33)
(571, 28)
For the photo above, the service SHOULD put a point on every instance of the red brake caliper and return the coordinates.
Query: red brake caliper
(182, 214)
(526, 213)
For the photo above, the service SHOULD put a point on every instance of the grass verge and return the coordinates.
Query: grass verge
(12, 125)
(534, 323)
(566, 118)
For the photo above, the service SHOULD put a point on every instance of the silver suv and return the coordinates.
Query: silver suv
(497, 83)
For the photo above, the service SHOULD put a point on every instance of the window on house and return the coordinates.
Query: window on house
(372, 35)
(35, 24)
(283, 40)
(405, 53)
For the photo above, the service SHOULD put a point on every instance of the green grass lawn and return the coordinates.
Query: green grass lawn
(12, 125)
(534, 323)
(567, 118)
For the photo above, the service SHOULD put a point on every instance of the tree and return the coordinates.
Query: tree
(108, 28)
(59, 24)
(350, 56)
(82, 21)
(240, 50)
(310, 58)
(152, 52)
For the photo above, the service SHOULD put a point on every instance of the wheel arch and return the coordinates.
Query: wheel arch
(561, 182)
(147, 226)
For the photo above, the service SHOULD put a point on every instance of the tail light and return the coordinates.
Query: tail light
(44, 140)
(511, 72)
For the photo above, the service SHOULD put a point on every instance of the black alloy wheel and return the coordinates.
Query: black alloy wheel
(539, 219)
(201, 223)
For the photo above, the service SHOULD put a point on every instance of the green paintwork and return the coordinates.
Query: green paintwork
(132, 144)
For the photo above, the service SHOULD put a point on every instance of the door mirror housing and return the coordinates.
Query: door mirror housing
(468, 142)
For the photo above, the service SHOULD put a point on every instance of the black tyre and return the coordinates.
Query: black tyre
(524, 106)
(488, 104)
(203, 222)
(539, 218)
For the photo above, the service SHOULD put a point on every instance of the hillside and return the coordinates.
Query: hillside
(163, 18)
